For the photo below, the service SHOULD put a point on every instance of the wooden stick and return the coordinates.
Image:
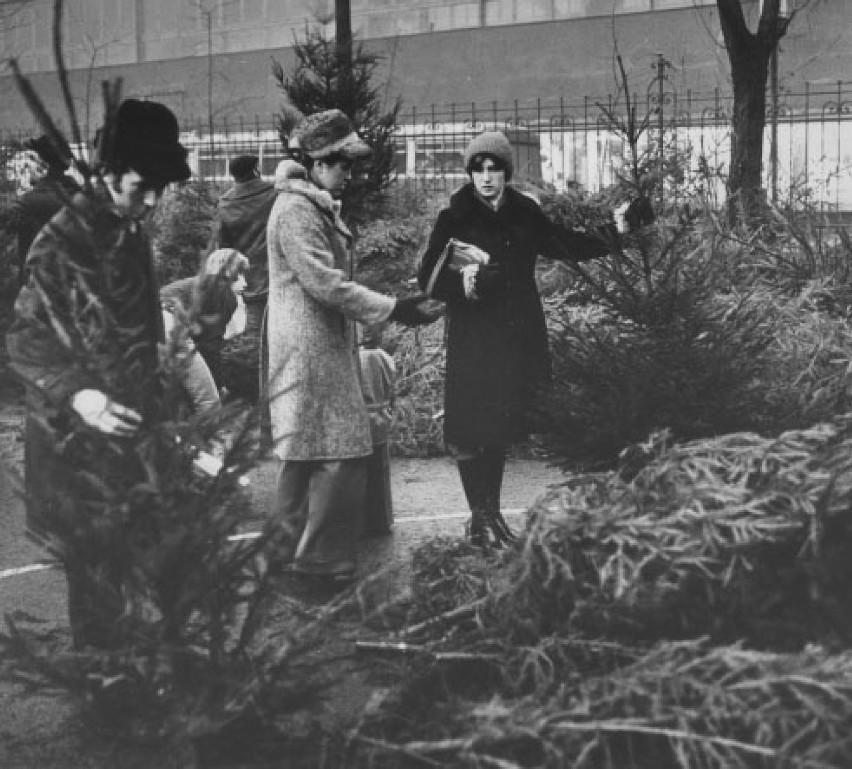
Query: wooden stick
(401, 647)
(393, 647)
(62, 72)
(462, 612)
(390, 747)
(677, 734)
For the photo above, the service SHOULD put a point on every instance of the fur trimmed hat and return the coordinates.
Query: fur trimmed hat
(492, 143)
(147, 139)
(328, 133)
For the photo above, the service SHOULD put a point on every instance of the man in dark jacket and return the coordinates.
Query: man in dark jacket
(242, 214)
(241, 219)
(84, 340)
(50, 189)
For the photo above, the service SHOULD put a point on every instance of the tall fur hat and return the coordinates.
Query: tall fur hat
(494, 144)
(147, 139)
(328, 133)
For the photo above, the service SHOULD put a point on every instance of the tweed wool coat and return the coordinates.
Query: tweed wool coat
(318, 412)
(498, 360)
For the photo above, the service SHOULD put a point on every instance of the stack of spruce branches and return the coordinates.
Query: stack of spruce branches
(417, 428)
(660, 615)
(679, 706)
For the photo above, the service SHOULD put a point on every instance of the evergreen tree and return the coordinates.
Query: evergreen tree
(327, 77)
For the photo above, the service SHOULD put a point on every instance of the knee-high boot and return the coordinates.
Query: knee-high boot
(482, 480)
(493, 461)
(470, 472)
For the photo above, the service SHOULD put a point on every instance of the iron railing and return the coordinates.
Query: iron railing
(563, 142)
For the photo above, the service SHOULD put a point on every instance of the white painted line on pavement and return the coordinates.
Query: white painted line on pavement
(450, 516)
(25, 569)
(403, 519)
(6, 573)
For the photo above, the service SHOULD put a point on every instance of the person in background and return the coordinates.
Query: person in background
(480, 260)
(320, 425)
(91, 294)
(47, 189)
(378, 373)
(211, 305)
(242, 214)
(241, 217)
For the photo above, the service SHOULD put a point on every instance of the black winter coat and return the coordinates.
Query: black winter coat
(498, 358)
(60, 342)
(37, 207)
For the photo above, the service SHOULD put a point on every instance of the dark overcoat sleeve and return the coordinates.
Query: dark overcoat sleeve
(569, 245)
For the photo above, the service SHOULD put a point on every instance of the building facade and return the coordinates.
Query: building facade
(115, 32)
(206, 57)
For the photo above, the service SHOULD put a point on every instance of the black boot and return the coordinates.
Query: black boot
(482, 479)
(493, 463)
(476, 529)
(470, 472)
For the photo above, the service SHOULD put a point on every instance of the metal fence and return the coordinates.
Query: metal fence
(807, 142)
(808, 145)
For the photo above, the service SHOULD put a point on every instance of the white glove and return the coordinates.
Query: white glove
(97, 410)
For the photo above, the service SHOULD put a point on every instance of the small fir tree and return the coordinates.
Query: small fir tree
(327, 77)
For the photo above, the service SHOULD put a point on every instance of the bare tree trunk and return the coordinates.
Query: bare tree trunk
(749, 54)
(343, 25)
(343, 43)
(745, 182)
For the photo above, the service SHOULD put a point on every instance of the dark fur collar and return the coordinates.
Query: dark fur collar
(463, 202)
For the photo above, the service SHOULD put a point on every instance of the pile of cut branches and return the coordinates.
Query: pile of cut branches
(653, 616)
(678, 706)
(419, 355)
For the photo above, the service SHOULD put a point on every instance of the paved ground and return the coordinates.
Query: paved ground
(37, 732)
(427, 496)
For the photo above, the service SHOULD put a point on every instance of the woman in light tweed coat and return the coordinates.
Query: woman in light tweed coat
(320, 426)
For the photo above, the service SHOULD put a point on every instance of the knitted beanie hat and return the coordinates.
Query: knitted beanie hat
(327, 133)
(494, 144)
